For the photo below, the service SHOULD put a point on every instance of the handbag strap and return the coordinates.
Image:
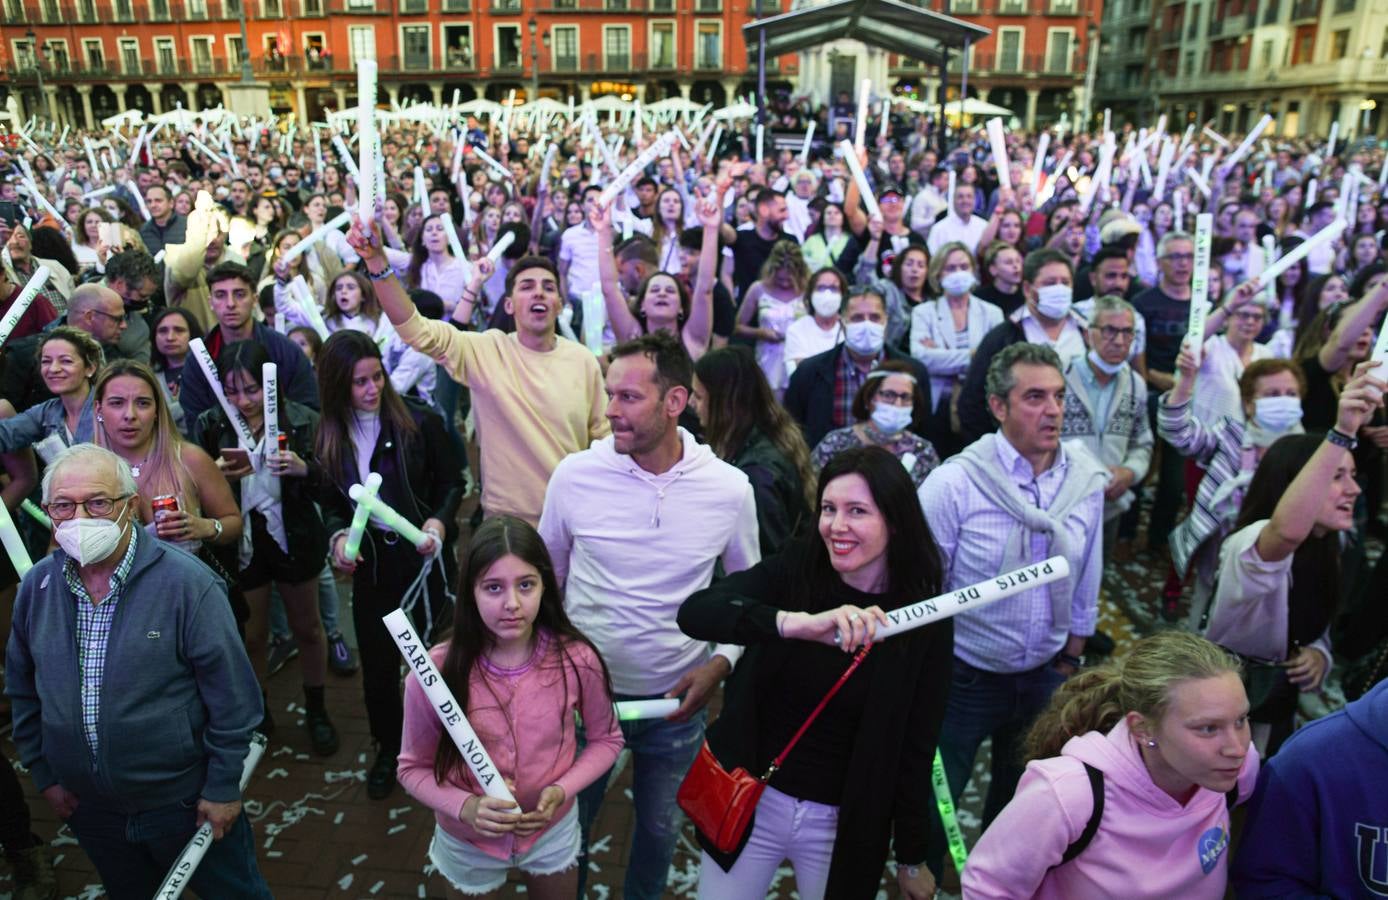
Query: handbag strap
(814, 714)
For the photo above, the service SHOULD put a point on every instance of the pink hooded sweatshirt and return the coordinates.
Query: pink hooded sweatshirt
(1147, 845)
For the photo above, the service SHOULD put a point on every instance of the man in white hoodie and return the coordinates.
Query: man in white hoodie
(635, 524)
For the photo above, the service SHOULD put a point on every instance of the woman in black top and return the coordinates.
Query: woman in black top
(864, 765)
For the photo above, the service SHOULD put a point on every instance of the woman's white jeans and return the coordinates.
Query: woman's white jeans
(801, 831)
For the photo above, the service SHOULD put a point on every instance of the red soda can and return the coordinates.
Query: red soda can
(284, 442)
(163, 505)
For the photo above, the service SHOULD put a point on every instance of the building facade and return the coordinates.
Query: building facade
(97, 58)
(1122, 82)
(1306, 62)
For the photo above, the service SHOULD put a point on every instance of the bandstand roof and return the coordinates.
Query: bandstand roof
(892, 25)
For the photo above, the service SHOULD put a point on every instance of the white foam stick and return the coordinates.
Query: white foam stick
(1038, 164)
(451, 231)
(502, 244)
(181, 872)
(809, 138)
(1383, 175)
(344, 156)
(999, 146)
(487, 158)
(1199, 181)
(421, 193)
(1269, 254)
(99, 192)
(303, 298)
(1163, 168)
(637, 133)
(231, 156)
(1269, 173)
(657, 150)
(1145, 170)
(760, 137)
(139, 200)
(459, 144)
(1101, 173)
(1311, 191)
(1215, 136)
(1330, 145)
(629, 710)
(850, 156)
(550, 152)
(1161, 125)
(949, 191)
(1106, 120)
(886, 118)
(361, 516)
(717, 141)
(1247, 142)
(270, 391)
(446, 706)
(91, 156)
(134, 148)
(1185, 138)
(13, 543)
(1345, 203)
(391, 519)
(204, 149)
(1178, 199)
(336, 222)
(1380, 355)
(1299, 252)
(209, 371)
(860, 134)
(63, 138)
(318, 151)
(47, 206)
(22, 303)
(1200, 286)
(973, 597)
(366, 131)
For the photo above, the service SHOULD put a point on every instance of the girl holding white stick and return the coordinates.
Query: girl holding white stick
(431, 265)
(520, 671)
(859, 779)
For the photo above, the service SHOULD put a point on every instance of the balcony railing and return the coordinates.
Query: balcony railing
(1306, 9)
(630, 6)
(1029, 63)
(708, 63)
(506, 7)
(1216, 26)
(457, 6)
(708, 6)
(456, 60)
(414, 7)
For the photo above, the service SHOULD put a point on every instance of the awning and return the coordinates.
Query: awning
(894, 26)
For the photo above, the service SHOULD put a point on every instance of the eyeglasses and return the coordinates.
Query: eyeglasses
(113, 317)
(1250, 315)
(96, 507)
(895, 398)
(1109, 333)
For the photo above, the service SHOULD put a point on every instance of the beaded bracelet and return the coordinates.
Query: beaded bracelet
(385, 273)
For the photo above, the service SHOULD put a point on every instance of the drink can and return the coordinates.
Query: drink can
(284, 442)
(163, 505)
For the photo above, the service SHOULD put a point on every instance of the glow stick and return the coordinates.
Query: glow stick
(958, 853)
(1038, 164)
(421, 195)
(1000, 161)
(1101, 174)
(760, 157)
(949, 195)
(1299, 252)
(380, 168)
(501, 245)
(139, 200)
(270, 389)
(1330, 147)
(181, 873)
(717, 140)
(1199, 181)
(451, 230)
(1106, 120)
(809, 137)
(850, 156)
(1270, 253)
(860, 125)
(318, 151)
(446, 706)
(487, 158)
(391, 519)
(1200, 286)
(209, 371)
(23, 301)
(361, 516)
(38, 515)
(366, 131)
(318, 234)
(99, 192)
(303, 298)
(1244, 147)
(14, 544)
(1163, 168)
(629, 710)
(973, 597)
(655, 151)
(345, 157)
(91, 156)
(1178, 199)
(886, 117)
(1216, 137)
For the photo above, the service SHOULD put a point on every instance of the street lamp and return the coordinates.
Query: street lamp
(246, 76)
(534, 61)
(38, 69)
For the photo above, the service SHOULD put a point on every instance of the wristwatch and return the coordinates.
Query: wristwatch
(1340, 439)
(216, 531)
(1076, 661)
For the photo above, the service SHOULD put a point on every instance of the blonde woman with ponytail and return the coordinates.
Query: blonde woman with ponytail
(1134, 767)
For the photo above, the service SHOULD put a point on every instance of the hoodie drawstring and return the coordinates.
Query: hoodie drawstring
(660, 487)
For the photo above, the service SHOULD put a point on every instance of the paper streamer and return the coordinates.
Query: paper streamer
(14, 544)
(270, 391)
(181, 873)
(973, 597)
(945, 802)
(502, 244)
(366, 132)
(1200, 286)
(1000, 161)
(657, 150)
(1299, 252)
(391, 519)
(333, 224)
(630, 710)
(209, 371)
(23, 302)
(809, 138)
(361, 516)
(850, 156)
(860, 133)
(446, 706)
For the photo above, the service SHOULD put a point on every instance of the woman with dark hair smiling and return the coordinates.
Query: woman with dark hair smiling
(859, 779)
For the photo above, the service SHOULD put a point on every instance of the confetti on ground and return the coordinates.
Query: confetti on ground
(301, 757)
(337, 819)
(274, 854)
(277, 773)
(376, 888)
(284, 751)
(396, 829)
(345, 881)
(359, 859)
(399, 811)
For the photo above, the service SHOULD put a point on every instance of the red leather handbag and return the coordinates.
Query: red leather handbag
(721, 803)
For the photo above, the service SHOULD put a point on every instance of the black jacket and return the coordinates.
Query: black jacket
(810, 395)
(975, 419)
(421, 477)
(296, 375)
(303, 526)
(887, 789)
(777, 489)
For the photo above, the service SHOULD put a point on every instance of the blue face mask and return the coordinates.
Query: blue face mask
(890, 418)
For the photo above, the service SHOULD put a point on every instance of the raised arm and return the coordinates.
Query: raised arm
(699, 329)
(462, 313)
(625, 325)
(366, 240)
(853, 199)
(1335, 352)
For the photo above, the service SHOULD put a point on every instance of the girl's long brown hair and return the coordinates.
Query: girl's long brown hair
(370, 306)
(163, 471)
(334, 363)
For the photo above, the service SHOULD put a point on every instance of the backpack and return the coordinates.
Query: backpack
(1091, 828)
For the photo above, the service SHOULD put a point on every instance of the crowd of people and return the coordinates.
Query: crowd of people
(730, 412)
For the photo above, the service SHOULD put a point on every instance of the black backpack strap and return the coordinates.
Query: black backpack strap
(1091, 828)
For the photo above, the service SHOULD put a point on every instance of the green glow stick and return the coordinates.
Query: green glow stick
(631, 710)
(14, 546)
(947, 817)
(37, 514)
(362, 516)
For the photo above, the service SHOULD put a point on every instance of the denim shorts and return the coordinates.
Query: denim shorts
(471, 871)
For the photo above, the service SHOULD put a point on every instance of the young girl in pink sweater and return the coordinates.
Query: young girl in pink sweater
(521, 671)
(1162, 736)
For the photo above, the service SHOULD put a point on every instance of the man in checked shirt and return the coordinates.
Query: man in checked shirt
(132, 695)
(1010, 499)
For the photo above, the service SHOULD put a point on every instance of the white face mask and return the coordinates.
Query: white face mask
(1103, 365)
(956, 284)
(1277, 414)
(1053, 300)
(890, 418)
(865, 337)
(89, 540)
(826, 302)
